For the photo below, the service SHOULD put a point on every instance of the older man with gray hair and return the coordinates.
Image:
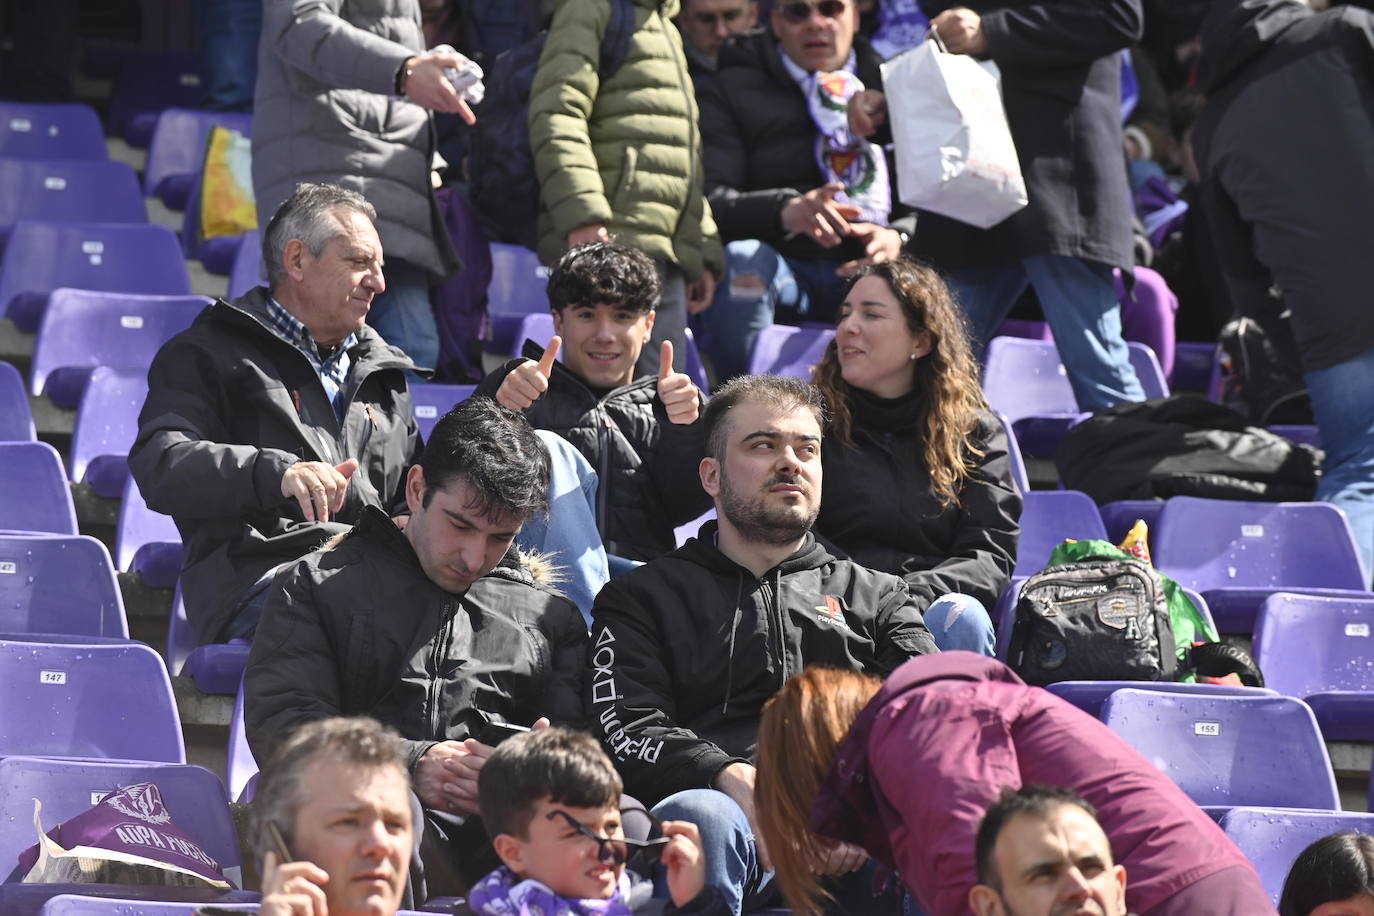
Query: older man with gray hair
(276, 419)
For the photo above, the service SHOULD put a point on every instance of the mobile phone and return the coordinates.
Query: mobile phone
(278, 843)
(493, 733)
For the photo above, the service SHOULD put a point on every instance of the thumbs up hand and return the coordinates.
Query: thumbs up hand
(680, 398)
(528, 381)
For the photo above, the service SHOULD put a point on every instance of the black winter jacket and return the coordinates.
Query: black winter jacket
(1284, 147)
(687, 649)
(646, 465)
(1061, 87)
(760, 142)
(359, 629)
(230, 407)
(878, 507)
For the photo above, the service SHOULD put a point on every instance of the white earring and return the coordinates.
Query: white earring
(913, 357)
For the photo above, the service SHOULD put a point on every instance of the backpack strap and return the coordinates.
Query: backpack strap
(615, 44)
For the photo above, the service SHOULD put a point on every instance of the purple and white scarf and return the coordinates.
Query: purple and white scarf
(503, 893)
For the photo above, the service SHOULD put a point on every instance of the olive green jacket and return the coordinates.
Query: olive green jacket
(626, 152)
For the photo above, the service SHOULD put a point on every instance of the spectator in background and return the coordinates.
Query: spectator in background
(621, 156)
(1061, 87)
(1287, 191)
(436, 628)
(1332, 877)
(344, 95)
(705, 25)
(276, 419)
(228, 32)
(801, 203)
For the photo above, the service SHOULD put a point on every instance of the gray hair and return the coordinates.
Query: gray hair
(358, 741)
(309, 214)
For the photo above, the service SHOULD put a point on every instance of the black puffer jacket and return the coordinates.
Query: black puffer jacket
(687, 649)
(646, 465)
(878, 507)
(359, 629)
(760, 145)
(230, 407)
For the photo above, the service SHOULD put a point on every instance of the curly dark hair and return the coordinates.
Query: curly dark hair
(605, 273)
(949, 391)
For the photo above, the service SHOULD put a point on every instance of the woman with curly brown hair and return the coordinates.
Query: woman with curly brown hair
(917, 478)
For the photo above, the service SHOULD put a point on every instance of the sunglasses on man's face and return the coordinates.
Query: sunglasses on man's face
(620, 850)
(798, 11)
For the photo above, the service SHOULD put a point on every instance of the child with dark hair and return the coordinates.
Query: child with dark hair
(642, 435)
(551, 802)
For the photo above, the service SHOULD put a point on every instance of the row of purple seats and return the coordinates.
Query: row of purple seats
(68, 190)
(1272, 838)
(35, 130)
(58, 585)
(177, 150)
(16, 418)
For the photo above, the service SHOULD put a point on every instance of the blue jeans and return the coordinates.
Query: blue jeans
(1344, 411)
(228, 32)
(404, 316)
(1080, 304)
(569, 532)
(761, 286)
(961, 622)
(732, 862)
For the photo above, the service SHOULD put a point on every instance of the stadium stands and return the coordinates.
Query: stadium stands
(33, 130)
(16, 418)
(62, 585)
(68, 190)
(33, 490)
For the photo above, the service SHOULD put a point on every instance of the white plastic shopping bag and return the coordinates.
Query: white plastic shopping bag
(954, 151)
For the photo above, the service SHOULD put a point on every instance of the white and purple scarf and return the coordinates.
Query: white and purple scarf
(503, 893)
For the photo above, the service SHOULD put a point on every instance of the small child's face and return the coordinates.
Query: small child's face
(569, 862)
(601, 343)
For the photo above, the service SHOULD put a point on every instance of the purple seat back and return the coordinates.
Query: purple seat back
(101, 701)
(241, 766)
(432, 401)
(1090, 696)
(1193, 365)
(177, 150)
(216, 668)
(146, 542)
(247, 271)
(1213, 544)
(1047, 518)
(31, 130)
(193, 795)
(16, 419)
(58, 584)
(1014, 456)
(1119, 516)
(518, 281)
(782, 349)
(1307, 644)
(106, 425)
(1004, 614)
(82, 330)
(33, 490)
(1229, 750)
(1272, 838)
(1025, 378)
(68, 190)
(111, 257)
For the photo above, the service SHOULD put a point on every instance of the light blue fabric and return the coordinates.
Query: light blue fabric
(961, 622)
(1343, 402)
(732, 863)
(1080, 304)
(404, 316)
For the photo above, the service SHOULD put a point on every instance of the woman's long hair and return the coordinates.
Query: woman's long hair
(948, 388)
(802, 728)
(1336, 867)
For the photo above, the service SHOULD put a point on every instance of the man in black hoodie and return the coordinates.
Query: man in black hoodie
(688, 648)
(1284, 148)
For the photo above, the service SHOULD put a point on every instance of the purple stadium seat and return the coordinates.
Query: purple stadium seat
(238, 901)
(1090, 696)
(82, 330)
(106, 425)
(177, 150)
(111, 257)
(16, 419)
(1307, 435)
(1025, 380)
(216, 668)
(148, 83)
(1229, 750)
(1119, 516)
(1193, 364)
(539, 328)
(432, 401)
(1020, 327)
(52, 584)
(1318, 649)
(31, 130)
(34, 495)
(193, 795)
(1237, 553)
(216, 253)
(781, 349)
(68, 190)
(246, 271)
(94, 701)
(240, 767)
(1014, 456)
(517, 288)
(1047, 518)
(126, 900)
(1272, 838)
(146, 542)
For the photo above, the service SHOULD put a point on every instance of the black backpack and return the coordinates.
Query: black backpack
(503, 187)
(1094, 620)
